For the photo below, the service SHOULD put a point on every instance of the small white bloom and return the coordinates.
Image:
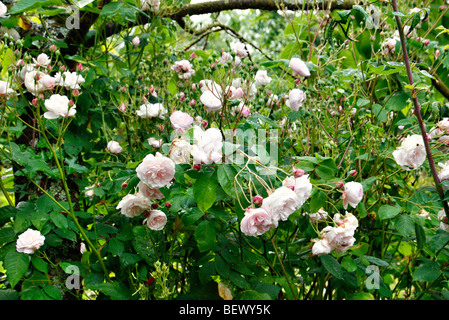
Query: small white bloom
(411, 154)
(296, 98)
(58, 106)
(114, 147)
(68, 79)
(239, 49)
(353, 194)
(152, 110)
(180, 151)
(133, 205)
(29, 241)
(3, 9)
(299, 67)
(261, 78)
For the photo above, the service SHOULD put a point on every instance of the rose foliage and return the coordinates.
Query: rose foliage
(275, 155)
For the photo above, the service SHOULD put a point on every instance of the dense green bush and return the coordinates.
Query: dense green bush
(275, 155)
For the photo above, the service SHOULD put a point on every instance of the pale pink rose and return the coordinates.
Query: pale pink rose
(133, 205)
(136, 41)
(246, 112)
(155, 143)
(29, 241)
(184, 69)
(156, 220)
(299, 67)
(211, 101)
(321, 246)
(181, 120)
(353, 194)
(114, 147)
(261, 78)
(296, 98)
(147, 192)
(239, 49)
(280, 204)
(156, 171)
(255, 222)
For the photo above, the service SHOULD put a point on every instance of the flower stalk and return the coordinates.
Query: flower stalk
(418, 110)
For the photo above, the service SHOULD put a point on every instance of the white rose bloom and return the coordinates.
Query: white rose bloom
(42, 60)
(211, 101)
(29, 241)
(133, 205)
(207, 146)
(58, 106)
(280, 204)
(411, 154)
(239, 49)
(114, 147)
(5, 89)
(155, 143)
(299, 67)
(301, 186)
(156, 220)
(321, 246)
(180, 151)
(443, 224)
(3, 10)
(353, 194)
(261, 78)
(184, 69)
(152, 110)
(319, 216)
(68, 79)
(152, 5)
(296, 98)
(443, 174)
(33, 82)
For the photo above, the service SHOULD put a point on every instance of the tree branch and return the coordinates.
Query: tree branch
(269, 5)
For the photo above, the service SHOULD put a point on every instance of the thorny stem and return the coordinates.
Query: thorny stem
(418, 111)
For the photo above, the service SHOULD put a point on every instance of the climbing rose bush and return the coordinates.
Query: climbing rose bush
(160, 164)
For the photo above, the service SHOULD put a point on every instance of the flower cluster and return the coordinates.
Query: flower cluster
(154, 172)
(339, 237)
(278, 206)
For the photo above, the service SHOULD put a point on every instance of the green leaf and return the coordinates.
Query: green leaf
(317, 201)
(427, 271)
(59, 220)
(28, 5)
(225, 175)
(205, 235)
(397, 101)
(111, 9)
(16, 265)
(420, 236)
(326, 169)
(53, 292)
(388, 212)
(405, 225)
(205, 190)
(74, 167)
(254, 295)
(332, 266)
